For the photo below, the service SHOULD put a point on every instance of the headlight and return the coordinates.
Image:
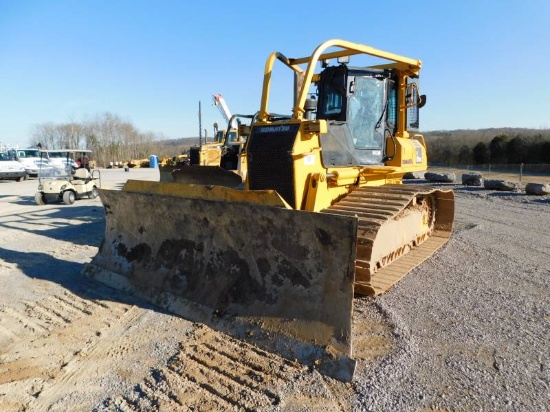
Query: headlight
(40, 188)
(63, 187)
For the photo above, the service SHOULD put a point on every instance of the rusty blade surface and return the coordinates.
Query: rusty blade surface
(280, 278)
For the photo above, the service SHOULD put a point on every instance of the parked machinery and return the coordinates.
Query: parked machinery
(323, 214)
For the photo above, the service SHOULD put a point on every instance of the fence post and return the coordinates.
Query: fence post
(520, 171)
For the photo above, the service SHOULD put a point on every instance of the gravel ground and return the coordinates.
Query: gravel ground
(473, 322)
(466, 330)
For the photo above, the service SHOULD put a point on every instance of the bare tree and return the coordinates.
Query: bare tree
(44, 134)
(110, 138)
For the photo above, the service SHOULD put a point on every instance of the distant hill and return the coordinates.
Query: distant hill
(484, 135)
(444, 146)
(515, 145)
(184, 142)
(171, 147)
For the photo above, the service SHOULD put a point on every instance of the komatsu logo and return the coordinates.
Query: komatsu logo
(274, 129)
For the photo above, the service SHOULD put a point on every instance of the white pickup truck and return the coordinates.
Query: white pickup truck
(11, 169)
(31, 160)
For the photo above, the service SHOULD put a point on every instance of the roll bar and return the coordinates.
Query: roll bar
(405, 65)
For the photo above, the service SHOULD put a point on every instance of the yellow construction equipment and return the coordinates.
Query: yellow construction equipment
(225, 149)
(214, 158)
(224, 152)
(211, 153)
(323, 214)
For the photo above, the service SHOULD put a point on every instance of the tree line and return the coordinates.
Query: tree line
(113, 139)
(110, 138)
(480, 147)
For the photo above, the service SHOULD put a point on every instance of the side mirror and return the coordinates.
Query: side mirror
(413, 97)
(421, 101)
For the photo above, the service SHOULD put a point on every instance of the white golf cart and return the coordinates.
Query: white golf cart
(66, 182)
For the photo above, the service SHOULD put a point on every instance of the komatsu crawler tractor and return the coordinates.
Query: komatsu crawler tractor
(322, 213)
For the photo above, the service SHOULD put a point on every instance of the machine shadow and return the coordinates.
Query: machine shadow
(24, 200)
(68, 275)
(82, 225)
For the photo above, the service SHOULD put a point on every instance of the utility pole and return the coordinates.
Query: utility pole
(200, 125)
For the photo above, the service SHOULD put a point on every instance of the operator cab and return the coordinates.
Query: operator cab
(360, 107)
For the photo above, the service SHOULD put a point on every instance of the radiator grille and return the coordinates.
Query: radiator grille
(194, 155)
(270, 164)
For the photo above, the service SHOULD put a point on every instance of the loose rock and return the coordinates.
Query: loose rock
(539, 189)
(414, 175)
(440, 177)
(472, 179)
(501, 185)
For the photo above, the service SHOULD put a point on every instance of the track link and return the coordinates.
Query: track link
(400, 226)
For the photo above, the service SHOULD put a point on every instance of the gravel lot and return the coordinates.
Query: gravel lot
(466, 330)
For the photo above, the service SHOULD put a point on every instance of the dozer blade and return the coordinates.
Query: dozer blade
(245, 265)
(206, 175)
(165, 172)
(200, 175)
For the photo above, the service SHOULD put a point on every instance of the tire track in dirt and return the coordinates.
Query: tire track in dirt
(32, 366)
(89, 360)
(43, 316)
(20, 324)
(213, 371)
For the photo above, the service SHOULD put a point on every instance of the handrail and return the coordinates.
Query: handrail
(405, 64)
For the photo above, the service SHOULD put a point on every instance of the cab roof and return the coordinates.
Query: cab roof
(65, 151)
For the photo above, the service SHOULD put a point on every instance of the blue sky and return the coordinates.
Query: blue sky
(485, 63)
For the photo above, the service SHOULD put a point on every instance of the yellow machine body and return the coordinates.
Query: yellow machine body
(317, 213)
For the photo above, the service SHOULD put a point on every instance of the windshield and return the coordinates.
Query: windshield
(28, 153)
(53, 171)
(4, 156)
(57, 155)
(232, 137)
(365, 111)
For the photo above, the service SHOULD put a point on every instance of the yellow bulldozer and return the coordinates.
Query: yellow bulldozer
(322, 213)
(224, 152)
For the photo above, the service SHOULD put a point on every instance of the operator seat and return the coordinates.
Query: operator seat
(81, 176)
